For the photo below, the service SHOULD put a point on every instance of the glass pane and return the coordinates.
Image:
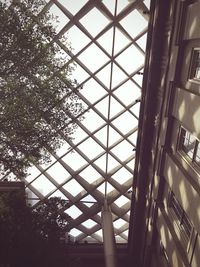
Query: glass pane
(188, 144)
(93, 121)
(97, 16)
(74, 160)
(90, 174)
(99, 233)
(131, 53)
(125, 233)
(79, 74)
(121, 5)
(113, 136)
(72, 6)
(73, 212)
(133, 138)
(112, 163)
(106, 41)
(121, 201)
(79, 135)
(109, 5)
(104, 75)
(75, 232)
(74, 35)
(115, 107)
(43, 185)
(131, 163)
(120, 41)
(90, 148)
(122, 151)
(93, 91)
(140, 23)
(108, 186)
(136, 109)
(123, 122)
(89, 224)
(142, 41)
(128, 92)
(138, 77)
(118, 76)
(103, 107)
(73, 187)
(195, 70)
(58, 173)
(119, 223)
(147, 3)
(93, 52)
(122, 176)
(89, 201)
(101, 162)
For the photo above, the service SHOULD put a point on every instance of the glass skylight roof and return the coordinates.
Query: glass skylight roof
(108, 40)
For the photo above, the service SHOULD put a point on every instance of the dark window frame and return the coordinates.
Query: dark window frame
(194, 71)
(189, 147)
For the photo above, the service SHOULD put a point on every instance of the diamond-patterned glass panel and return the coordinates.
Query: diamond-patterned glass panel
(93, 51)
(93, 91)
(108, 40)
(43, 185)
(94, 28)
(74, 34)
(119, 223)
(89, 224)
(121, 201)
(73, 187)
(122, 175)
(90, 174)
(73, 212)
(140, 23)
(135, 59)
(58, 173)
(128, 92)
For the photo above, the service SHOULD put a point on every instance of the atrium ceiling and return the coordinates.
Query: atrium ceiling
(108, 40)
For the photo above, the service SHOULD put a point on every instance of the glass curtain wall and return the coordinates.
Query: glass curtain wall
(108, 40)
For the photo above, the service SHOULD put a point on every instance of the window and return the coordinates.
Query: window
(185, 231)
(189, 146)
(195, 64)
(180, 216)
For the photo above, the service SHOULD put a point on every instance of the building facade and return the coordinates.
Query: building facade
(165, 226)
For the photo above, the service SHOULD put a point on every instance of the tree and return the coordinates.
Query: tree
(49, 219)
(31, 237)
(38, 97)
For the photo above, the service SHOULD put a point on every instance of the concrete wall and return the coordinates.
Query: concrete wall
(180, 175)
(181, 108)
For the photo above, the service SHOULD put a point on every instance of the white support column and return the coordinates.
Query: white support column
(108, 237)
